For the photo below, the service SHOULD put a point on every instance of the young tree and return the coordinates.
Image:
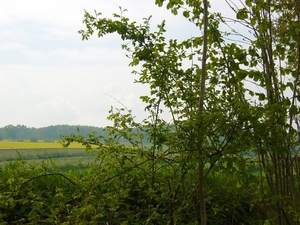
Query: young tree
(217, 117)
(204, 125)
(274, 53)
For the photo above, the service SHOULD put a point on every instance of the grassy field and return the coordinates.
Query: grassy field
(73, 157)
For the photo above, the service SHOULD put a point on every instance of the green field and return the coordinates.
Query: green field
(73, 157)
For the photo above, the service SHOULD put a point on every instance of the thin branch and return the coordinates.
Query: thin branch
(39, 176)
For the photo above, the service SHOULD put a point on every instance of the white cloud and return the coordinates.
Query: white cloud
(57, 108)
(49, 76)
(83, 88)
(12, 46)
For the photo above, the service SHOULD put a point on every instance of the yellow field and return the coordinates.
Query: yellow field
(7, 144)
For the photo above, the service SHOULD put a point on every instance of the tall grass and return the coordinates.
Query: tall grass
(61, 158)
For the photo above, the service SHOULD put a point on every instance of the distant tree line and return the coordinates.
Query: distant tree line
(22, 132)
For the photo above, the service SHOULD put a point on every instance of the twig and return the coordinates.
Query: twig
(39, 176)
(149, 219)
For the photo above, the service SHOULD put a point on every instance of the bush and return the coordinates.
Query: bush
(33, 139)
(33, 196)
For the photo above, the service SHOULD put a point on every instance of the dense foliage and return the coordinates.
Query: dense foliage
(39, 194)
(229, 153)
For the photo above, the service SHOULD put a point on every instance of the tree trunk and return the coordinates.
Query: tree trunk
(201, 193)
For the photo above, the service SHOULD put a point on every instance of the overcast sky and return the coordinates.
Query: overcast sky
(49, 76)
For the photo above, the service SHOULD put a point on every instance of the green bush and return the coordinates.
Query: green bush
(109, 193)
(33, 139)
(36, 194)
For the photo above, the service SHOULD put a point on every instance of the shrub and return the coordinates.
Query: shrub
(33, 139)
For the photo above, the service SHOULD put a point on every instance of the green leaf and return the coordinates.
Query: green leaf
(241, 75)
(186, 14)
(248, 2)
(261, 96)
(174, 11)
(251, 93)
(170, 5)
(242, 14)
(159, 2)
(252, 21)
(10, 180)
(293, 110)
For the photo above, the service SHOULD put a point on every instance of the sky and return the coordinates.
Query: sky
(49, 76)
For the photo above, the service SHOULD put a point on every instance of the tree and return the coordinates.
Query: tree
(33, 139)
(217, 118)
(10, 131)
(275, 49)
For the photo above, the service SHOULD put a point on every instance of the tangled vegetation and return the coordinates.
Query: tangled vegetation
(229, 154)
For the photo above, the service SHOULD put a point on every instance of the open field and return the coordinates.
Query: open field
(63, 159)
(8, 144)
(39, 153)
(73, 157)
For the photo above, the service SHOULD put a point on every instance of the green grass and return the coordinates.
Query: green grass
(78, 163)
(62, 158)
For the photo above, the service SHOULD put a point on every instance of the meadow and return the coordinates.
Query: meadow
(73, 157)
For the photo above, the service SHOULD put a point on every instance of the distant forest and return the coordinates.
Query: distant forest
(22, 132)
